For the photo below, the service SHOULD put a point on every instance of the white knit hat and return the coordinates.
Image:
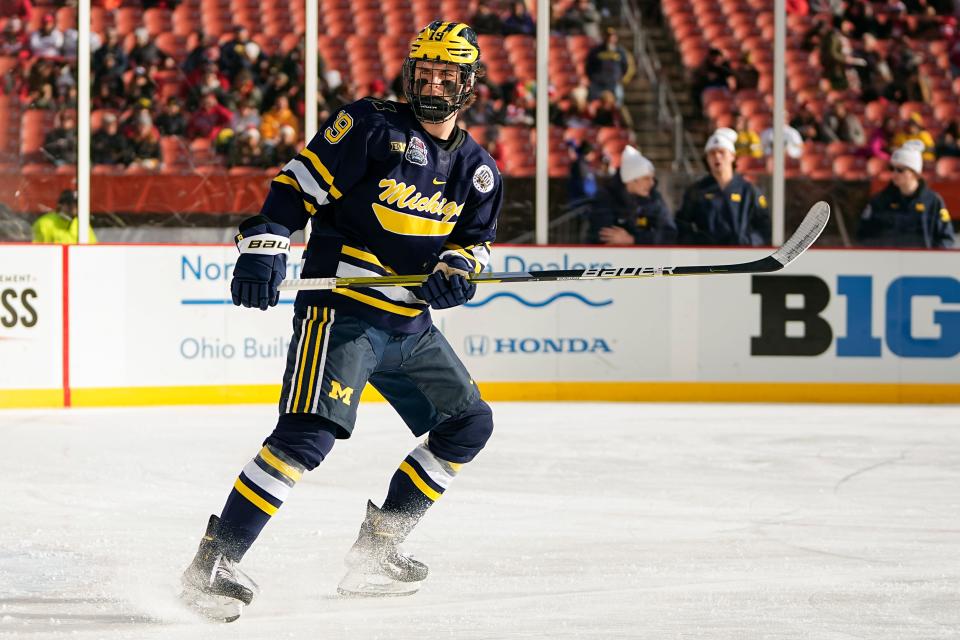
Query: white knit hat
(910, 155)
(722, 138)
(633, 165)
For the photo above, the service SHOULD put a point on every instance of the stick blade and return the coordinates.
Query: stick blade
(806, 234)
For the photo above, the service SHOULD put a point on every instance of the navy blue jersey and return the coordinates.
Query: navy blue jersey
(735, 215)
(892, 219)
(384, 197)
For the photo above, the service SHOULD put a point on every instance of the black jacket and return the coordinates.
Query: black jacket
(892, 219)
(648, 219)
(737, 215)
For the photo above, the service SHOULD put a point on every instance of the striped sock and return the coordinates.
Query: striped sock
(418, 483)
(262, 487)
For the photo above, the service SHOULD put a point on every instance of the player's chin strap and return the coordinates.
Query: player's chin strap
(806, 234)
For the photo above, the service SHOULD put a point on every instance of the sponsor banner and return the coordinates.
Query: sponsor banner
(160, 317)
(164, 317)
(31, 325)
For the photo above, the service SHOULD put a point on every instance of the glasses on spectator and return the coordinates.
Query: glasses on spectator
(899, 169)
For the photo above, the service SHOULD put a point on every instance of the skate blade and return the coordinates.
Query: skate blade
(357, 584)
(212, 607)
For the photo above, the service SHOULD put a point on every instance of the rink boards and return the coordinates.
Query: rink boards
(134, 325)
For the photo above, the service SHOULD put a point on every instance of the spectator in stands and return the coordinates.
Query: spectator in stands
(914, 131)
(874, 74)
(745, 74)
(44, 98)
(145, 143)
(581, 17)
(879, 144)
(860, 15)
(836, 55)
(108, 145)
(47, 41)
(145, 52)
(518, 20)
(481, 112)
(948, 145)
(747, 144)
(485, 21)
(907, 213)
(171, 121)
(109, 75)
(105, 96)
(582, 181)
(806, 122)
(280, 85)
(211, 81)
(841, 124)
(112, 45)
(245, 90)
(60, 144)
(141, 86)
(715, 72)
(13, 40)
(605, 112)
(61, 226)
(629, 209)
(279, 115)
(247, 117)
(209, 119)
(233, 53)
(792, 142)
(247, 150)
(204, 52)
(287, 147)
(909, 84)
(609, 66)
(723, 208)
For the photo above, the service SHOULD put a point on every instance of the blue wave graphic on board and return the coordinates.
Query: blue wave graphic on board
(551, 299)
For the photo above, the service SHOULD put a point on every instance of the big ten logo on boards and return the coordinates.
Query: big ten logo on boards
(17, 301)
(910, 329)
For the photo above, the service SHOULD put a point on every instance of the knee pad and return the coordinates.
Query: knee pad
(306, 437)
(460, 438)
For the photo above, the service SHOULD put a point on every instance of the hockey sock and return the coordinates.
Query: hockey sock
(262, 487)
(417, 484)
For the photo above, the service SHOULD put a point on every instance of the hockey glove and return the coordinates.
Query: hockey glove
(262, 264)
(448, 286)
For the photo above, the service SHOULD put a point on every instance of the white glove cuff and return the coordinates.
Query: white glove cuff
(267, 244)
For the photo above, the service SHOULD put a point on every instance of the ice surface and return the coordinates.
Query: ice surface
(578, 521)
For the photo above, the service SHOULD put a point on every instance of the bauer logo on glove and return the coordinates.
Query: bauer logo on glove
(262, 265)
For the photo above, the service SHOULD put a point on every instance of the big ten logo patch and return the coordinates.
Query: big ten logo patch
(920, 317)
(17, 307)
(340, 392)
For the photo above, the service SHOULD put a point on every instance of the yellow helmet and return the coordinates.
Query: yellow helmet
(440, 71)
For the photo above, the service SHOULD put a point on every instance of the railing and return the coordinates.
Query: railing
(685, 154)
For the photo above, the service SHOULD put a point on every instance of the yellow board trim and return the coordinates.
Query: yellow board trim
(288, 470)
(405, 224)
(378, 303)
(30, 398)
(322, 170)
(417, 480)
(834, 392)
(259, 502)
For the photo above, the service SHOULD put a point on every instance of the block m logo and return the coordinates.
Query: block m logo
(339, 392)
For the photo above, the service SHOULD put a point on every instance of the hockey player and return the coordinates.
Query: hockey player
(907, 213)
(389, 188)
(723, 208)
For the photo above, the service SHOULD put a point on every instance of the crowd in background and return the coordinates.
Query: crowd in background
(250, 103)
(871, 54)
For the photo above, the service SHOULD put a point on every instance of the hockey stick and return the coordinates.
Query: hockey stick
(806, 234)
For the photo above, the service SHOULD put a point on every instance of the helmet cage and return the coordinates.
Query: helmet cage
(432, 105)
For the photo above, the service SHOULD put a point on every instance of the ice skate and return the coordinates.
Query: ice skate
(376, 566)
(213, 585)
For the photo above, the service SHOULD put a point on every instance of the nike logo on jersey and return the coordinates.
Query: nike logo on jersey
(435, 181)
